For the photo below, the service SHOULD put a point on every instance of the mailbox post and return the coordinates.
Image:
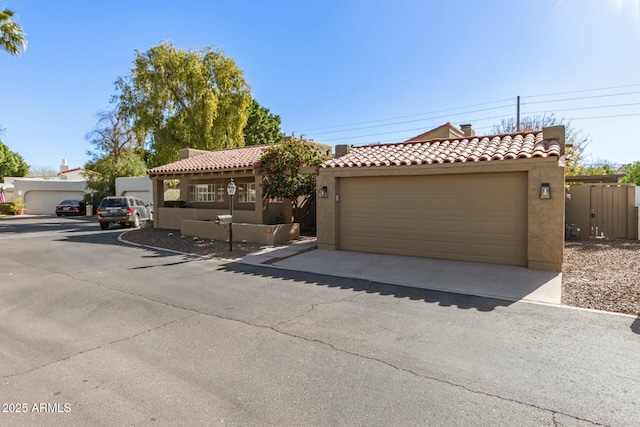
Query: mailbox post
(231, 191)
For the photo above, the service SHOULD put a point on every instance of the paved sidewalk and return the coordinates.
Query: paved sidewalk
(471, 278)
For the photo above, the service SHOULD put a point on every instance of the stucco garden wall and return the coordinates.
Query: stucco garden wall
(256, 233)
(170, 218)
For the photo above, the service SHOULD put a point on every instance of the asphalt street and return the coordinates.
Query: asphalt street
(96, 332)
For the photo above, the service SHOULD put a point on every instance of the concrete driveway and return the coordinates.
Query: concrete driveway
(106, 334)
(462, 277)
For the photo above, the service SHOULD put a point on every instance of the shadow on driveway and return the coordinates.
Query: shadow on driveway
(39, 223)
(444, 299)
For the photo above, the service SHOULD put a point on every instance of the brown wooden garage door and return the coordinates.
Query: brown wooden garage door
(472, 217)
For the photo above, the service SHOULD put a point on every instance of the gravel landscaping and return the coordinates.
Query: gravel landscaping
(172, 239)
(602, 274)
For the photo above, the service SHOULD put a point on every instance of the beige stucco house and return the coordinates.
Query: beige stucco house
(496, 199)
(202, 178)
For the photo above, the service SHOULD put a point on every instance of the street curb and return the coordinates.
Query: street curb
(127, 242)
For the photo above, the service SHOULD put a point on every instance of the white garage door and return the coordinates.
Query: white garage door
(44, 202)
(472, 217)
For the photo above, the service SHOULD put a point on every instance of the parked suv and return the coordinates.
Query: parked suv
(127, 211)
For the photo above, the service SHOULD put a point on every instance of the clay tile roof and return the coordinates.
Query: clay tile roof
(71, 170)
(458, 150)
(235, 158)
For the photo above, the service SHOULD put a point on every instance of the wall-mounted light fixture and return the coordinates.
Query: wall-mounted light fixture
(324, 192)
(545, 191)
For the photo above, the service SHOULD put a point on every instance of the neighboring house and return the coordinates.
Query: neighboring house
(41, 195)
(137, 186)
(203, 178)
(496, 199)
(446, 131)
(77, 174)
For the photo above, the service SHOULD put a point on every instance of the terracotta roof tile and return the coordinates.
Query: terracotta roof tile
(71, 170)
(458, 150)
(235, 158)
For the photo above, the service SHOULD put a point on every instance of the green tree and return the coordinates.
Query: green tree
(117, 153)
(597, 167)
(11, 164)
(102, 182)
(262, 126)
(576, 141)
(281, 164)
(12, 37)
(633, 173)
(177, 99)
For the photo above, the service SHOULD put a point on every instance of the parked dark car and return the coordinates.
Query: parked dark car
(126, 211)
(71, 207)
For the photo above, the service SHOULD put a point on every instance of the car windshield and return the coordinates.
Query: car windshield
(70, 202)
(113, 203)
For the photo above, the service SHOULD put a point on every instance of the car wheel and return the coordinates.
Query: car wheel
(136, 221)
(59, 214)
(104, 225)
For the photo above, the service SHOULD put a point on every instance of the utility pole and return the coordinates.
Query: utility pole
(518, 116)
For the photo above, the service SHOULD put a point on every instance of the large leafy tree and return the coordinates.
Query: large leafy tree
(633, 173)
(117, 153)
(576, 140)
(262, 127)
(11, 164)
(177, 99)
(12, 37)
(280, 166)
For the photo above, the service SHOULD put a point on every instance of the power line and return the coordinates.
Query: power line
(480, 110)
(476, 120)
(587, 108)
(606, 117)
(581, 97)
(403, 130)
(411, 121)
(485, 103)
(580, 91)
(411, 115)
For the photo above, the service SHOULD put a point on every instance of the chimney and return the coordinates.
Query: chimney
(555, 133)
(341, 150)
(64, 167)
(466, 128)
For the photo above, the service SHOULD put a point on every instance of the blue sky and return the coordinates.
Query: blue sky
(340, 72)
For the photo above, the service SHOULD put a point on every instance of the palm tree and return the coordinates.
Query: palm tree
(12, 37)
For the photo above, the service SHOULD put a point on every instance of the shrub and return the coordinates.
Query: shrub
(175, 204)
(5, 208)
(17, 206)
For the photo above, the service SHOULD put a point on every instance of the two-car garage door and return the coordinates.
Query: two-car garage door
(472, 217)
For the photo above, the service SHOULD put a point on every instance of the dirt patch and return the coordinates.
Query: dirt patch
(602, 274)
